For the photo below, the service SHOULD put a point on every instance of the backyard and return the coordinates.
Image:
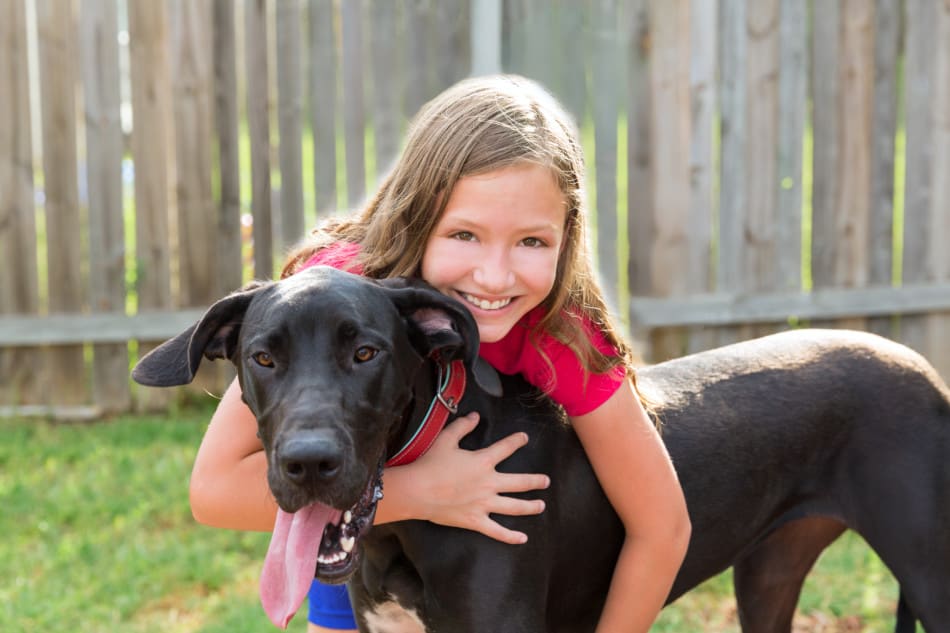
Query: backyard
(98, 537)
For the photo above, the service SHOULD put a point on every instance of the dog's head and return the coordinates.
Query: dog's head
(326, 362)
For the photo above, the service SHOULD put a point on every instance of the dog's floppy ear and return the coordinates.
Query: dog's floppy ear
(443, 325)
(214, 336)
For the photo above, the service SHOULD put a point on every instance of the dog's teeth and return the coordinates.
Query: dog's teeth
(347, 517)
(347, 543)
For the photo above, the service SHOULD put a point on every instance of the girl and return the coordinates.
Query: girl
(486, 204)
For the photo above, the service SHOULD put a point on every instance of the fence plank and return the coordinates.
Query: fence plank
(919, 66)
(290, 119)
(151, 89)
(385, 69)
(353, 113)
(100, 73)
(856, 91)
(192, 81)
(486, 37)
(761, 213)
(640, 220)
(793, 107)
(703, 104)
(670, 129)
(418, 60)
(450, 38)
(825, 112)
(226, 126)
(604, 73)
(938, 325)
(22, 369)
(732, 194)
(887, 22)
(57, 29)
(323, 103)
(573, 60)
(258, 128)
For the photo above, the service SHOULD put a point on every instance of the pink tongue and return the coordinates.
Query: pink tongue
(292, 559)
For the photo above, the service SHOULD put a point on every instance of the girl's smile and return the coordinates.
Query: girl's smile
(496, 246)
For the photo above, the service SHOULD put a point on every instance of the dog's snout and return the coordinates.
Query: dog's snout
(311, 456)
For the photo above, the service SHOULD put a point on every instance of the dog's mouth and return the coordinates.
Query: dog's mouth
(339, 551)
(316, 541)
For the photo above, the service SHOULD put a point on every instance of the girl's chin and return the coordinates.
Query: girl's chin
(493, 333)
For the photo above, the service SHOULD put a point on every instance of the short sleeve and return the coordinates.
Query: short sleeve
(553, 366)
(340, 255)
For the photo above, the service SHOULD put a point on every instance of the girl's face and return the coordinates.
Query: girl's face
(496, 246)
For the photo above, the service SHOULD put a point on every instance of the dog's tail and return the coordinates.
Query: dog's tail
(906, 620)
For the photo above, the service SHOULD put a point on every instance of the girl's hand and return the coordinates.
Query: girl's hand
(460, 488)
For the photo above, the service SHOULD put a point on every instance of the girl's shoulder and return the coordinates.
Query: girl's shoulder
(552, 365)
(340, 254)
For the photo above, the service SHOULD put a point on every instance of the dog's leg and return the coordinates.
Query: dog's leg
(768, 580)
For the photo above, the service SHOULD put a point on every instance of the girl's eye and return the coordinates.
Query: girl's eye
(364, 354)
(464, 236)
(533, 242)
(263, 359)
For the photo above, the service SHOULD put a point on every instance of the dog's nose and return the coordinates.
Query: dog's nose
(315, 455)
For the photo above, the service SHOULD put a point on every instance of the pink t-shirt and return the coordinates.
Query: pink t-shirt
(564, 379)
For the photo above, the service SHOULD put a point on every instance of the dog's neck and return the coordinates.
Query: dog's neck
(437, 390)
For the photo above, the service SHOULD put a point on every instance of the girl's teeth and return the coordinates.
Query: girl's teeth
(487, 305)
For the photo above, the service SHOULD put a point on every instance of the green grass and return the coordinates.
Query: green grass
(98, 536)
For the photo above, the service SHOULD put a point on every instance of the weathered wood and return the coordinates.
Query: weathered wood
(824, 90)
(57, 30)
(604, 73)
(258, 131)
(226, 125)
(323, 103)
(572, 29)
(23, 370)
(887, 23)
(418, 60)
(385, 70)
(761, 174)
(192, 77)
(670, 130)
(151, 91)
(353, 113)
(703, 105)
(919, 75)
(99, 53)
(823, 304)
(938, 325)
(486, 37)
(290, 120)
(640, 221)
(792, 113)
(450, 38)
(101, 327)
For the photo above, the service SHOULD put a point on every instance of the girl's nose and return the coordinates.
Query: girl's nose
(494, 275)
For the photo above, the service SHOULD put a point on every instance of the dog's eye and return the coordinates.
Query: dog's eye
(364, 354)
(263, 359)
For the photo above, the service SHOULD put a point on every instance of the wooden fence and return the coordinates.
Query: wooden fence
(755, 164)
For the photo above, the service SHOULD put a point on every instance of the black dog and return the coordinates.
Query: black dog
(780, 444)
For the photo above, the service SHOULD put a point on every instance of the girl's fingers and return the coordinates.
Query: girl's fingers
(461, 427)
(495, 530)
(505, 447)
(518, 507)
(522, 482)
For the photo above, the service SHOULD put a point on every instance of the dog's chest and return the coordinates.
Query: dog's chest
(391, 617)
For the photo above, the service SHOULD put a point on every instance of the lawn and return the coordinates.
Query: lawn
(97, 536)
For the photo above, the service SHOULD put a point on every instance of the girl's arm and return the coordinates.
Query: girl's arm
(636, 473)
(448, 485)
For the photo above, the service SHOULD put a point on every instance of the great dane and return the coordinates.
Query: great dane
(780, 443)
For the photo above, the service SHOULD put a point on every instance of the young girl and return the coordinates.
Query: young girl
(486, 204)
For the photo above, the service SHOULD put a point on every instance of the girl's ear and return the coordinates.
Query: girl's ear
(440, 325)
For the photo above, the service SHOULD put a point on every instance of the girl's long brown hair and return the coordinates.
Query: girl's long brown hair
(477, 126)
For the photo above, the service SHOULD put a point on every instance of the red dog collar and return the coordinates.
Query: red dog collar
(451, 386)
